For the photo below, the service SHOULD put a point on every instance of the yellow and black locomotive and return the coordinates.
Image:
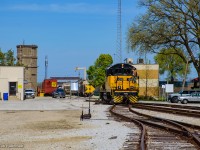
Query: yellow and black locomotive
(121, 85)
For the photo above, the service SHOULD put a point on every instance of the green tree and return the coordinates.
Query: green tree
(10, 60)
(172, 63)
(96, 73)
(2, 58)
(168, 23)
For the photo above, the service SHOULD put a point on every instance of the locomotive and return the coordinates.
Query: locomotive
(121, 84)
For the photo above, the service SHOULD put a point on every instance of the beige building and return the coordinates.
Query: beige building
(11, 82)
(148, 79)
(27, 55)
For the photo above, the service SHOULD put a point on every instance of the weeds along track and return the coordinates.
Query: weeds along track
(151, 132)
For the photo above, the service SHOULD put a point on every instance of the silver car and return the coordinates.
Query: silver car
(193, 97)
(29, 93)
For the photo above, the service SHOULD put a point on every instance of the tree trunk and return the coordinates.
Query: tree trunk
(199, 79)
(172, 80)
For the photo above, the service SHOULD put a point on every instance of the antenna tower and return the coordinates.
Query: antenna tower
(119, 33)
(46, 66)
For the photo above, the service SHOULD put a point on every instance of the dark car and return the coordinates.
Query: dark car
(59, 93)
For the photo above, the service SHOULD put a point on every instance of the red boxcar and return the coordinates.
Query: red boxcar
(48, 86)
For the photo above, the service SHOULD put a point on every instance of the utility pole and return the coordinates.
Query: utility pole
(199, 71)
(146, 74)
(186, 68)
(46, 66)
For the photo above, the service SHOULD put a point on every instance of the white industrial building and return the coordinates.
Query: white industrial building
(11, 82)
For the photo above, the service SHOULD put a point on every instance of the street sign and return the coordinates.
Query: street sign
(169, 88)
(89, 89)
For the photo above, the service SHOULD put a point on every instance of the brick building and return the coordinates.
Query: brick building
(27, 55)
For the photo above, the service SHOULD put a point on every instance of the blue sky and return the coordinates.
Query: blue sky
(71, 33)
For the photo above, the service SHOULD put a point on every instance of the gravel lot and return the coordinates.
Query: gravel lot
(45, 123)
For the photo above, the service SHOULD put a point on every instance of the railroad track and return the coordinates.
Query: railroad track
(156, 133)
(191, 111)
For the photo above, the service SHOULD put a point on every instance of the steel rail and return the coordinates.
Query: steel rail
(141, 126)
(175, 105)
(190, 113)
(184, 131)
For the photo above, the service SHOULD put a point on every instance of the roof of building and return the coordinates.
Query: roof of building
(65, 78)
(30, 46)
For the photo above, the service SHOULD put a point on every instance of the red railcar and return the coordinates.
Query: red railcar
(48, 86)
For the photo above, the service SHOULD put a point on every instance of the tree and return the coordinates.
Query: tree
(169, 24)
(10, 60)
(2, 58)
(172, 63)
(96, 73)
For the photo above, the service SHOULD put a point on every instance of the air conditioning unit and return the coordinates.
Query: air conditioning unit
(140, 61)
(129, 60)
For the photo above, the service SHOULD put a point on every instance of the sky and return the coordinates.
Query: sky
(71, 33)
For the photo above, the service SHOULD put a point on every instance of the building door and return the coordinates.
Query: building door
(12, 88)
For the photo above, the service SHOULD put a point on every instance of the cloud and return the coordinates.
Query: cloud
(65, 8)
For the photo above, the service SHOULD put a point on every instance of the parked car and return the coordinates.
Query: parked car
(194, 97)
(59, 92)
(29, 93)
(173, 97)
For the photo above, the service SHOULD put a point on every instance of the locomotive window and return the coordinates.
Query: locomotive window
(132, 79)
(129, 79)
(117, 71)
(119, 79)
(127, 71)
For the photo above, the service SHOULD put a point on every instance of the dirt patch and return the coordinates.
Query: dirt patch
(41, 129)
(51, 125)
